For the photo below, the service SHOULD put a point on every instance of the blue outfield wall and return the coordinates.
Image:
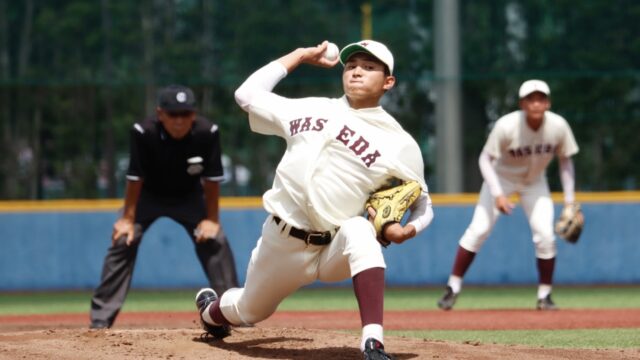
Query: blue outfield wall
(65, 250)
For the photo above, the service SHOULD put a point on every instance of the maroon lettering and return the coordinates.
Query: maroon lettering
(539, 149)
(371, 158)
(528, 150)
(294, 126)
(319, 124)
(306, 125)
(359, 146)
(345, 134)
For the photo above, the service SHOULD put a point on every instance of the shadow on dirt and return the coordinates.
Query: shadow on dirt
(281, 347)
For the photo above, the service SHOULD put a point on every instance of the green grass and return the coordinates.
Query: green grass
(582, 338)
(43, 303)
(470, 298)
(80, 301)
(315, 299)
(564, 297)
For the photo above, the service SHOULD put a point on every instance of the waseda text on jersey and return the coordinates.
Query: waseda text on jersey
(530, 150)
(346, 136)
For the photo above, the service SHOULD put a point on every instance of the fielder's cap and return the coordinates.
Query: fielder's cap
(531, 86)
(371, 47)
(176, 98)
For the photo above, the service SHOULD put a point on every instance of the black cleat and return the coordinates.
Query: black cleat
(99, 324)
(448, 299)
(204, 297)
(374, 350)
(546, 304)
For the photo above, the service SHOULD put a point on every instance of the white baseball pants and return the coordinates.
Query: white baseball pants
(536, 202)
(281, 264)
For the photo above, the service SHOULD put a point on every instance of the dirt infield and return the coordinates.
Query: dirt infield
(297, 335)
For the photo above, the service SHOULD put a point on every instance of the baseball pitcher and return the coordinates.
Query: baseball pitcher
(339, 152)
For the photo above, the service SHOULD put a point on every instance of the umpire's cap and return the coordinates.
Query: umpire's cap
(176, 98)
(374, 48)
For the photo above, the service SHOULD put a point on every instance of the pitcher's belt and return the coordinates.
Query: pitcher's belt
(314, 238)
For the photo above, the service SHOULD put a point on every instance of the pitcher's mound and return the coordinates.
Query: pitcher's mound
(257, 343)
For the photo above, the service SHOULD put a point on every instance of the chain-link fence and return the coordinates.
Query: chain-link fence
(75, 75)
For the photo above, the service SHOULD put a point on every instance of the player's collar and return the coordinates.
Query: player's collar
(374, 109)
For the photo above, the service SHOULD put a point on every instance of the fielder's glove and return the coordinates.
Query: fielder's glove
(569, 225)
(390, 206)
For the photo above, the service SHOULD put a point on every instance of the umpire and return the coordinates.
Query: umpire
(174, 171)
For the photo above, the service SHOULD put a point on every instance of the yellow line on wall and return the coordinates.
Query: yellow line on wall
(583, 197)
(79, 205)
(104, 204)
(60, 205)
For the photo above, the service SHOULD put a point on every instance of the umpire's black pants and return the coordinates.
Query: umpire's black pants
(215, 255)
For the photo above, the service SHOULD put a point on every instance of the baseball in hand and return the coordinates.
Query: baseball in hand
(331, 53)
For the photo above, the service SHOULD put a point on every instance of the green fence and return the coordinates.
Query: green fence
(75, 75)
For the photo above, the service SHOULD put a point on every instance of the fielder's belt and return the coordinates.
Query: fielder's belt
(313, 238)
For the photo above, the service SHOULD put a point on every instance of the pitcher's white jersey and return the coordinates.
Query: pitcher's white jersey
(333, 152)
(522, 154)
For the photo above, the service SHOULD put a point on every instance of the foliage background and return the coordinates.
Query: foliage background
(76, 74)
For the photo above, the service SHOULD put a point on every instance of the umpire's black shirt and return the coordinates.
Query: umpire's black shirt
(172, 169)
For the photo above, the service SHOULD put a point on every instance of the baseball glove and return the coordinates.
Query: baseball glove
(569, 225)
(391, 205)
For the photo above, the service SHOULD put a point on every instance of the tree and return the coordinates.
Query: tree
(75, 76)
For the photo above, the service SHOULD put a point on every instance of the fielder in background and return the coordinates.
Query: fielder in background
(339, 151)
(514, 161)
(174, 171)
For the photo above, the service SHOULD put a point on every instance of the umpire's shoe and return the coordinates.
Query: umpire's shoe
(546, 304)
(448, 299)
(204, 297)
(374, 350)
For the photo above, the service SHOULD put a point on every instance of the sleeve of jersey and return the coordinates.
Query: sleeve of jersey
(569, 146)
(267, 114)
(567, 178)
(410, 165)
(213, 170)
(492, 146)
(261, 81)
(421, 212)
(489, 174)
(256, 97)
(136, 154)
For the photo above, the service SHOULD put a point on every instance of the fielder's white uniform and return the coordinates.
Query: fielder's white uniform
(336, 157)
(514, 160)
